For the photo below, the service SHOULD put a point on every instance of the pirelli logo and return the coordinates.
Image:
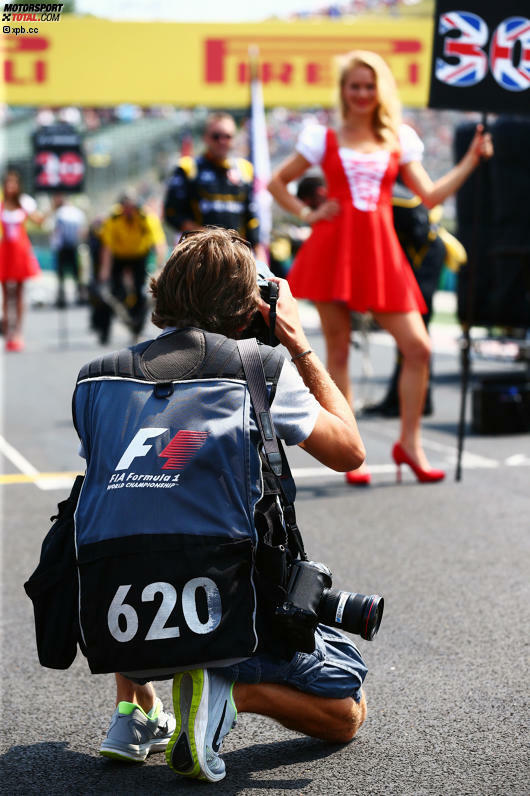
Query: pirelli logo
(290, 60)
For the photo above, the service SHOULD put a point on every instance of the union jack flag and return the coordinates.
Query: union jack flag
(507, 75)
(472, 63)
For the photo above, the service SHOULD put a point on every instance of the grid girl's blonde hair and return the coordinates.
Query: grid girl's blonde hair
(387, 115)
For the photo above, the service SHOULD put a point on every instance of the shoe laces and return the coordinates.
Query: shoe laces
(163, 720)
(211, 755)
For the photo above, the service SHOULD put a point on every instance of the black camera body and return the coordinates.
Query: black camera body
(310, 600)
(257, 326)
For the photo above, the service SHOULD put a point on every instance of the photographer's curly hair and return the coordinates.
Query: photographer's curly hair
(209, 281)
(387, 115)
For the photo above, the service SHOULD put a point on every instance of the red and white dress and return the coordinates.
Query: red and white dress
(356, 257)
(17, 260)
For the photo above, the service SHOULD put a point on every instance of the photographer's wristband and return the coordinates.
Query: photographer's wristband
(302, 354)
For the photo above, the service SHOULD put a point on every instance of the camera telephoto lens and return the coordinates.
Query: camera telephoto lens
(356, 613)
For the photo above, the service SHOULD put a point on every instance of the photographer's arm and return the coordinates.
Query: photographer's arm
(335, 440)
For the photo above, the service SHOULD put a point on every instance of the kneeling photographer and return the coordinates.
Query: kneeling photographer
(190, 562)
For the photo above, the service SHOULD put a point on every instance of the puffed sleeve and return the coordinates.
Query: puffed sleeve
(28, 203)
(411, 144)
(311, 143)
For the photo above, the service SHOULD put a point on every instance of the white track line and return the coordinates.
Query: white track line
(300, 473)
(60, 482)
(518, 460)
(16, 458)
(470, 461)
(22, 464)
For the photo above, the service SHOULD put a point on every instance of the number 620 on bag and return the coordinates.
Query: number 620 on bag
(200, 603)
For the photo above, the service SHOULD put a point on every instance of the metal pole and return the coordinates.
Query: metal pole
(470, 314)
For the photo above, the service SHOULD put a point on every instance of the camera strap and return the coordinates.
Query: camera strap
(257, 387)
(273, 300)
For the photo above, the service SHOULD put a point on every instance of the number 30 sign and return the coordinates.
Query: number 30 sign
(481, 56)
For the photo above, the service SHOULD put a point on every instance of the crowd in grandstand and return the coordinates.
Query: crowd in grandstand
(355, 7)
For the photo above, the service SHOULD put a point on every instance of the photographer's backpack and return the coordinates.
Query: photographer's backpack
(182, 525)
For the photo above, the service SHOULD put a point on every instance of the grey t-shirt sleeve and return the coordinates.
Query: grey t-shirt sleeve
(294, 409)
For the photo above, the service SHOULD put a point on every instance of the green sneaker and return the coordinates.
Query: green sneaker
(133, 734)
(205, 712)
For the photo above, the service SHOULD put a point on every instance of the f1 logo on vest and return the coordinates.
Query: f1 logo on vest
(178, 452)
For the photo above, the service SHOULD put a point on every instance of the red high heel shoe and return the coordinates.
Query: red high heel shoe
(400, 457)
(358, 479)
(15, 344)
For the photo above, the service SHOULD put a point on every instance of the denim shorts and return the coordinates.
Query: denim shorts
(335, 669)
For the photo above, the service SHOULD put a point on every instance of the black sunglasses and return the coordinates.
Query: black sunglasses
(221, 136)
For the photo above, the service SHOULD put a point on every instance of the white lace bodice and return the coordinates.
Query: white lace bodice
(364, 170)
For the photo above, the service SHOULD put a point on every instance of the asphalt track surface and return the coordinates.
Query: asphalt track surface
(448, 673)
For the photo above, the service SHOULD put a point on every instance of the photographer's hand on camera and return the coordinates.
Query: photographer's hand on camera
(335, 440)
(288, 327)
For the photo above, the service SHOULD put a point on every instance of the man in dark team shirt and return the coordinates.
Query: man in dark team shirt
(214, 189)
